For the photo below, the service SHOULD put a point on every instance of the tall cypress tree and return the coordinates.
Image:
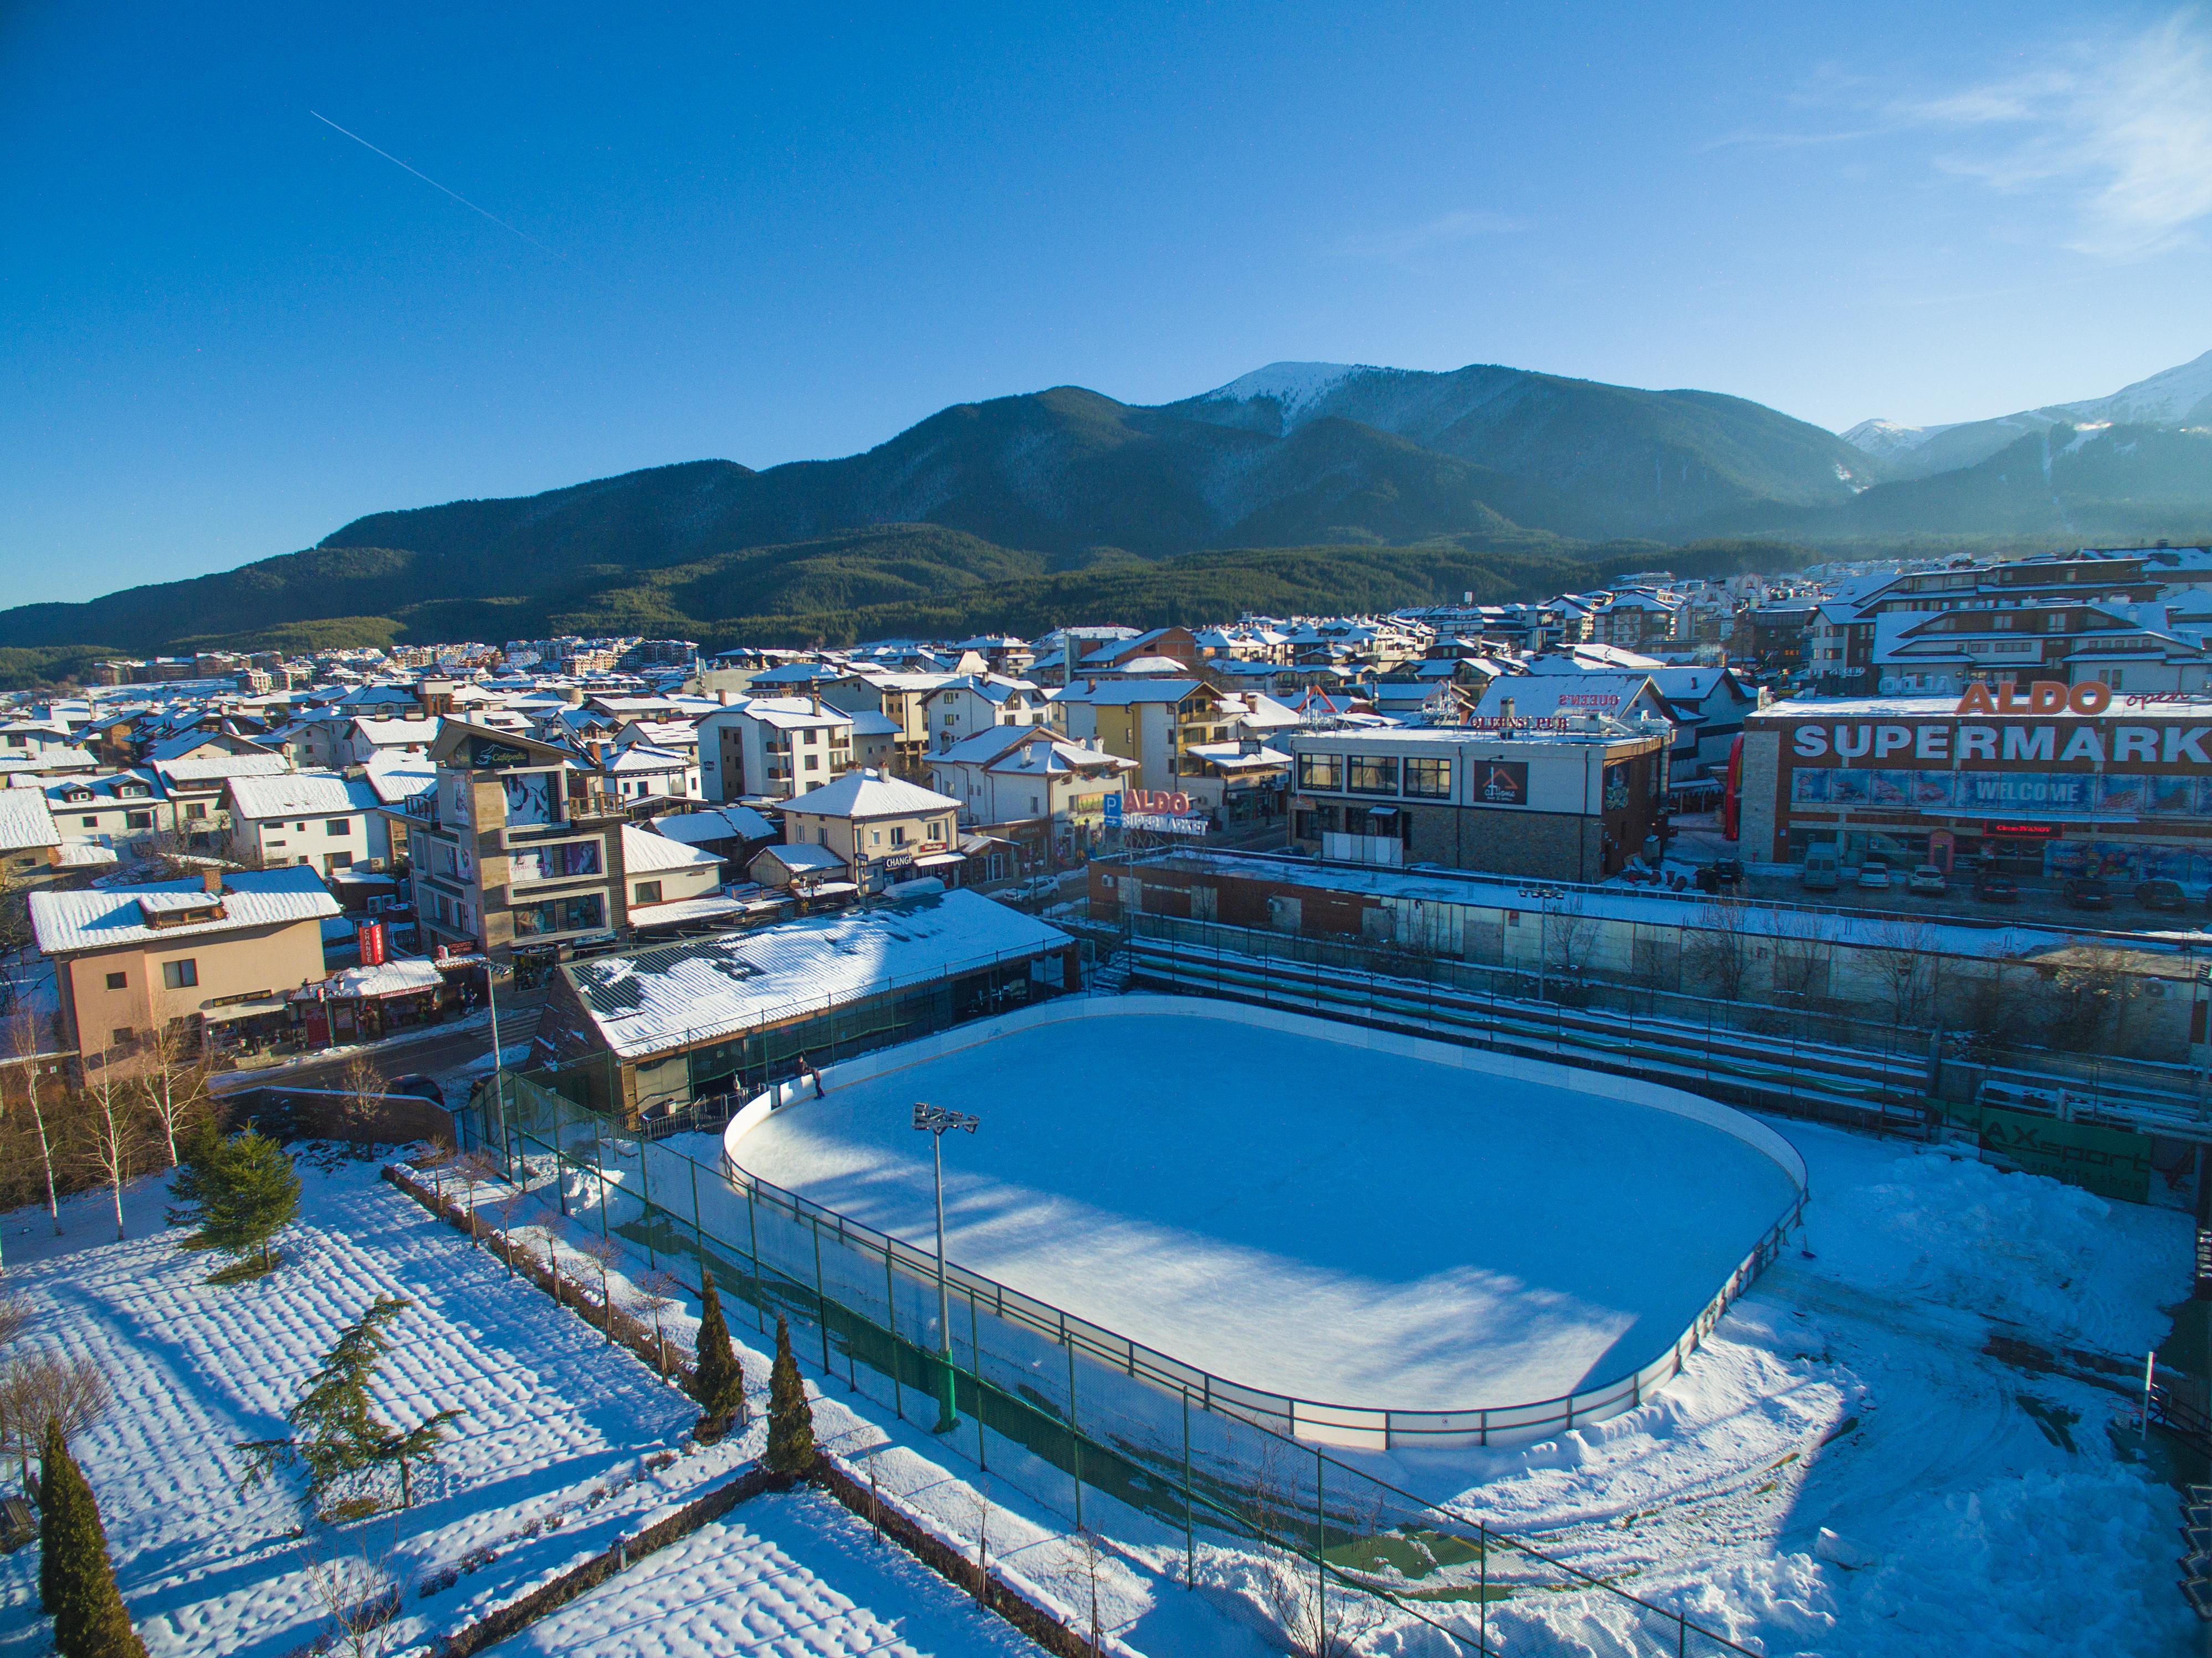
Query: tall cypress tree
(719, 1382)
(790, 1418)
(74, 1572)
(51, 1455)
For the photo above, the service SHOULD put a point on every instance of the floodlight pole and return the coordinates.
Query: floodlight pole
(498, 1082)
(934, 1120)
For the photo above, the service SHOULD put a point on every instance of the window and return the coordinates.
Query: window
(579, 914)
(814, 763)
(875, 837)
(898, 835)
(1430, 779)
(1371, 774)
(1321, 771)
(196, 810)
(646, 892)
(138, 820)
(334, 861)
(337, 825)
(181, 975)
(89, 822)
(118, 982)
(121, 1036)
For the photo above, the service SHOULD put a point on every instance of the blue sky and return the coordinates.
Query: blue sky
(752, 233)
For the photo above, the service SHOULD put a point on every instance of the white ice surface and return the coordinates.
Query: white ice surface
(1300, 1215)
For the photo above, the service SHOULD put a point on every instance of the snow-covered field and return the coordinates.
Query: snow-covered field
(1894, 1445)
(1310, 1217)
(563, 1444)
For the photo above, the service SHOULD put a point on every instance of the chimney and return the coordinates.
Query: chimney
(1505, 713)
(211, 880)
(725, 697)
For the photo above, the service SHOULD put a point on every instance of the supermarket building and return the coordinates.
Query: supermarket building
(2048, 785)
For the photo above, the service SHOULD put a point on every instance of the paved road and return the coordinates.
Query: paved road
(433, 1053)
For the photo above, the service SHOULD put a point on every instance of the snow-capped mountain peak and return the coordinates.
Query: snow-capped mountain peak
(1294, 386)
(2166, 398)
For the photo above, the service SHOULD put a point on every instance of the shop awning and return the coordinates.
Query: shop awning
(232, 1013)
(938, 861)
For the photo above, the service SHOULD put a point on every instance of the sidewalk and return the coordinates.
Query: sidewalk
(517, 1019)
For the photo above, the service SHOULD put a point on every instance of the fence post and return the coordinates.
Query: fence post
(698, 1233)
(645, 1197)
(752, 1224)
(821, 1300)
(975, 1362)
(1482, 1593)
(1189, 1543)
(1320, 1559)
(599, 1168)
(890, 1304)
(1074, 1433)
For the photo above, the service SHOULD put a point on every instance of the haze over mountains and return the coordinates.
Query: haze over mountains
(1313, 486)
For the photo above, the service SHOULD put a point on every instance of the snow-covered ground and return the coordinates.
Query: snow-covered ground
(563, 1444)
(1901, 1442)
(1310, 1217)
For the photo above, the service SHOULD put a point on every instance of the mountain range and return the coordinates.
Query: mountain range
(1300, 487)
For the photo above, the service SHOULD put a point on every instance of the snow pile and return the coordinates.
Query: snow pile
(1963, 1234)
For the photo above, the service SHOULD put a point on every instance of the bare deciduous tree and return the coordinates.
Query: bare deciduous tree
(1721, 947)
(23, 1041)
(606, 1254)
(1904, 964)
(360, 1089)
(362, 1598)
(112, 1131)
(40, 1387)
(1800, 940)
(1319, 1614)
(474, 1169)
(651, 1298)
(1570, 936)
(174, 1082)
(2090, 989)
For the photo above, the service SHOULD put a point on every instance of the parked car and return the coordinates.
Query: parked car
(1874, 873)
(2160, 895)
(1926, 879)
(1992, 888)
(1729, 871)
(2087, 892)
(1821, 870)
(422, 1088)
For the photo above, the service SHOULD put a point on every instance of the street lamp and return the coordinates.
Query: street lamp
(1543, 895)
(934, 1120)
(493, 970)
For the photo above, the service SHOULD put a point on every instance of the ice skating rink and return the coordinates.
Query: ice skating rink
(1301, 1212)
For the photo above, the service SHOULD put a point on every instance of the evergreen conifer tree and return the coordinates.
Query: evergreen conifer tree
(75, 1575)
(197, 1153)
(246, 1195)
(719, 1382)
(790, 1418)
(50, 1457)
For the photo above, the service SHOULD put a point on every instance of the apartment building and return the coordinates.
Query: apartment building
(1154, 722)
(181, 955)
(505, 854)
(771, 748)
(314, 817)
(114, 809)
(880, 828)
(969, 703)
(1030, 785)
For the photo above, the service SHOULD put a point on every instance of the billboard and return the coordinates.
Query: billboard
(1501, 782)
(2113, 1162)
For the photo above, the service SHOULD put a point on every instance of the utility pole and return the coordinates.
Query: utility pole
(493, 967)
(934, 1120)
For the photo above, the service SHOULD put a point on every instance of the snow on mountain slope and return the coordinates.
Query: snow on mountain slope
(2180, 396)
(2174, 397)
(1294, 386)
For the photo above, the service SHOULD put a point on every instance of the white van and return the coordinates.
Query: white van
(1823, 870)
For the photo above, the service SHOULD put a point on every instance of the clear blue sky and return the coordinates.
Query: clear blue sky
(766, 234)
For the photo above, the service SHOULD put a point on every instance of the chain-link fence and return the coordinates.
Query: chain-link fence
(1210, 1485)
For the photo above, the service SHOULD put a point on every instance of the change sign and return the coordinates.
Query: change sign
(2113, 1162)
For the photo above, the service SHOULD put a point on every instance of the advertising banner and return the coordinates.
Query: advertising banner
(2113, 1162)
(1501, 782)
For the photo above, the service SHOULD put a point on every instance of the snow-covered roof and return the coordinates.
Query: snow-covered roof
(703, 989)
(25, 822)
(679, 912)
(400, 777)
(722, 823)
(103, 919)
(403, 978)
(802, 855)
(220, 768)
(868, 793)
(642, 851)
(396, 733)
(307, 794)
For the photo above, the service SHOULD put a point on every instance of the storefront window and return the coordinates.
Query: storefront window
(1430, 779)
(1321, 771)
(1371, 774)
(584, 913)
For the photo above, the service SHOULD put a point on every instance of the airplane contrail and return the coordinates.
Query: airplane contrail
(431, 182)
